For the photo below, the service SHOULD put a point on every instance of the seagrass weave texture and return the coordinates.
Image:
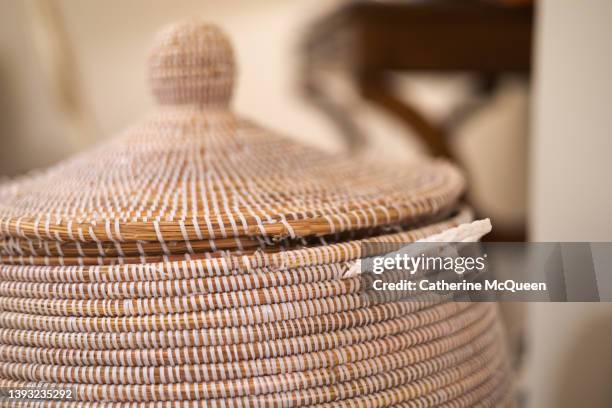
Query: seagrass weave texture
(192, 65)
(195, 171)
(198, 259)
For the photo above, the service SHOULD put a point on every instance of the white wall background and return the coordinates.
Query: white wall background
(571, 195)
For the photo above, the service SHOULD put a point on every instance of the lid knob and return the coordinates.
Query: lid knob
(192, 63)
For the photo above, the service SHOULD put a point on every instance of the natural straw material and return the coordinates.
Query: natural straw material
(200, 260)
(195, 171)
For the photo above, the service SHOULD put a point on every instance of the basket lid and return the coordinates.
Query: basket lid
(194, 170)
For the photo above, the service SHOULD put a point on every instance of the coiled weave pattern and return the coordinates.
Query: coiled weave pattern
(272, 336)
(199, 260)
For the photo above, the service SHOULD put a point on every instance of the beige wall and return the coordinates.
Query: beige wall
(571, 195)
(109, 42)
(571, 167)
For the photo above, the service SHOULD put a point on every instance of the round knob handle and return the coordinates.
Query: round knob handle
(192, 63)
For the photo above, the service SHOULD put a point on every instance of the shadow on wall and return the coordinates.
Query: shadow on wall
(585, 378)
(8, 124)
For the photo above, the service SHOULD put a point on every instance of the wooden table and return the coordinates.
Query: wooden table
(366, 40)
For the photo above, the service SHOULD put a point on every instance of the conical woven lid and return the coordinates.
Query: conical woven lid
(194, 170)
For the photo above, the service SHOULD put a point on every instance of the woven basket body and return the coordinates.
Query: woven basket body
(198, 258)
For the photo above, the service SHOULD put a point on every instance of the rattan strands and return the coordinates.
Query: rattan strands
(109, 250)
(484, 387)
(199, 259)
(157, 355)
(162, 372)
(492, 393)
(262, 333)
(474, 346)
(207, 294)
(481, 365)
(243, 352)
(258, 192)
(195, 171)
(435, 333)
(59, 258)
(57, 269)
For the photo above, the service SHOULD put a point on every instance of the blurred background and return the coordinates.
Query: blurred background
(519, 94)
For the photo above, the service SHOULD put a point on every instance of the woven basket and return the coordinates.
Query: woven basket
(199, 258)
